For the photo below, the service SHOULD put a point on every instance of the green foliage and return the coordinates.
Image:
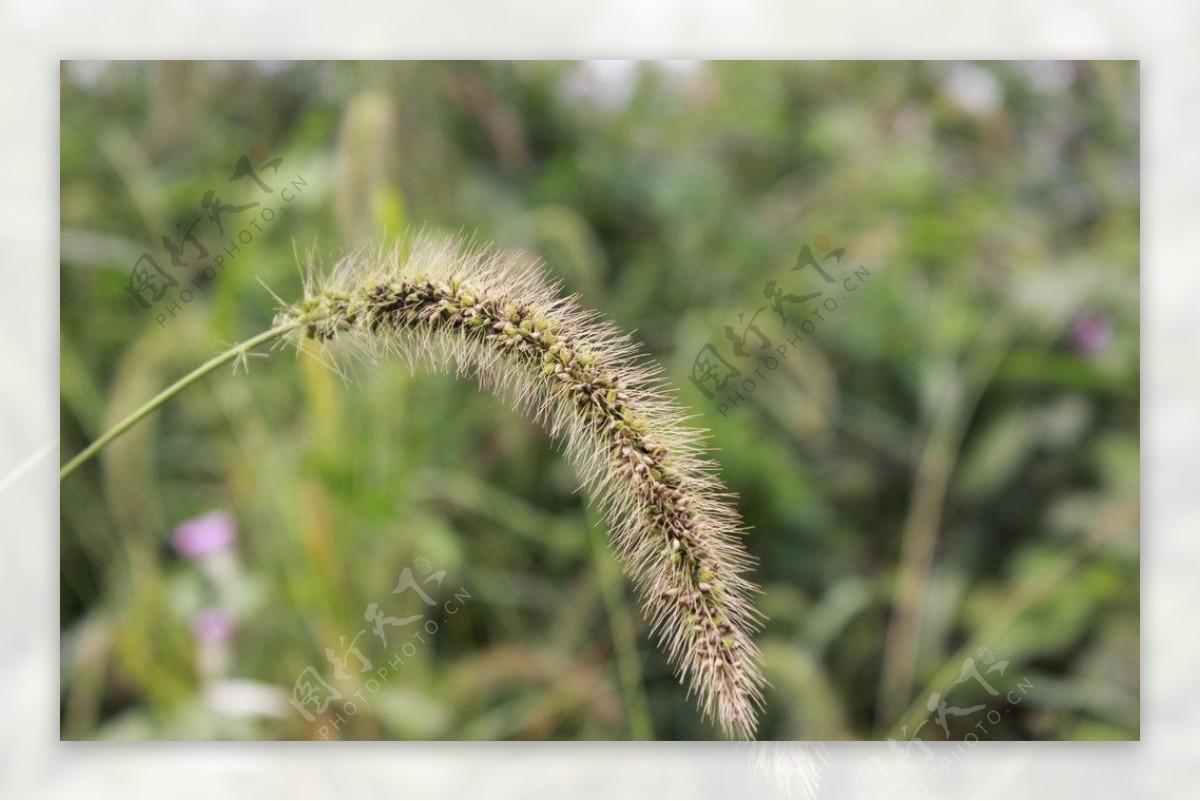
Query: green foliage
(965, 423)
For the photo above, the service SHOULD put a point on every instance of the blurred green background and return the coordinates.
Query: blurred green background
(945, 473)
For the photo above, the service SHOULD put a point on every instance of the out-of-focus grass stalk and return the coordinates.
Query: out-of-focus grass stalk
(1028, 593)
(951, 416)
(629, 664)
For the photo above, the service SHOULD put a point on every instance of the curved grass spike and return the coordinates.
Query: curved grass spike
(492, 315)
(446, 302)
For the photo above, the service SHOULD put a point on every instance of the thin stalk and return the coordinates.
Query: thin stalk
(239, 350)
(947, 431)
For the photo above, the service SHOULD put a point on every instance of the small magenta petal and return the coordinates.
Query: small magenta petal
(201, 536)
(213, 625)
(1092, 333)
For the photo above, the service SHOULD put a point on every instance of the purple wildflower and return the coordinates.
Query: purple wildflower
(201, 536)
(213, 625)
(1092, 333)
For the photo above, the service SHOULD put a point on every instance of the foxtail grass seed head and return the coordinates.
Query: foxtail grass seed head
(446, 303)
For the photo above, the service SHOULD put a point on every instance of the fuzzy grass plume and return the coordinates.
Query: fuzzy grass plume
(493, 316)
(437, 303)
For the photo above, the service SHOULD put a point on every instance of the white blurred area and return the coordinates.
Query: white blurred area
(34, 34)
